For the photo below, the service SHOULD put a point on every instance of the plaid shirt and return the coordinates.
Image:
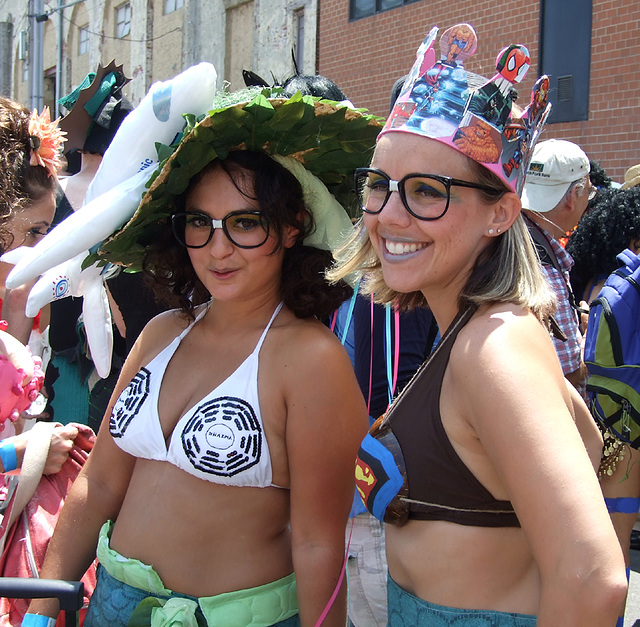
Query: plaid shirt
(569, 352)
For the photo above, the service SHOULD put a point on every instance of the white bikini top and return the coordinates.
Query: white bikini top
(221, 439)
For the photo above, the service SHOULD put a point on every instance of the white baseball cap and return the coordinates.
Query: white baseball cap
(555, 164)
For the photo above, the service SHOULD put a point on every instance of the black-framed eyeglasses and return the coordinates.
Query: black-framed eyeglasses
(425, 196)
(245, 229)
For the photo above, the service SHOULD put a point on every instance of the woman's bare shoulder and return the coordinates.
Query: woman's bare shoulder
(499, 329)
(503, 346)
(158, 333)
(309, 343)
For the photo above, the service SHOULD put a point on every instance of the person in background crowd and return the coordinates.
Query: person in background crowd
(29, 156)
(631, 177)
(608, 228)
(555, 195)
(29, 160)
(21, 378)
(360, 325)
(96, 109)
(598, 177)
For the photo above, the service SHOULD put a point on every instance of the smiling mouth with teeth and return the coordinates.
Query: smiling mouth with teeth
(397, 248)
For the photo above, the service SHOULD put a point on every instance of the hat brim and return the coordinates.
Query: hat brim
(631, 183)
(329, 139)
(543, 198)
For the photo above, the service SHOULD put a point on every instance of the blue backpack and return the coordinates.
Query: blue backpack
(612, 351)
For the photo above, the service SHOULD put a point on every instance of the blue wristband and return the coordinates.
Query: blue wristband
(37, 620)
(8, 456)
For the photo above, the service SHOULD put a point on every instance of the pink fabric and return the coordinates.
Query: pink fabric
(42, 514)
(15, 394)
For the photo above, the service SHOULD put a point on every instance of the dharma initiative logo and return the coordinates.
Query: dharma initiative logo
(223, 437)
(220, 437)
(129, 403)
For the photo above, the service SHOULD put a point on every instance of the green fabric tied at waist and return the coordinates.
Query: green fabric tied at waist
(261, 606)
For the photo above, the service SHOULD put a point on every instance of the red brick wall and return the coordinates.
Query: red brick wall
(366, 57)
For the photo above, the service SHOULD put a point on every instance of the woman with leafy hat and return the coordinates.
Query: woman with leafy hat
(494, 512)
(219, 488)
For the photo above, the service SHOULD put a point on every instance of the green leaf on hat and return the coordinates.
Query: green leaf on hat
(178, 181)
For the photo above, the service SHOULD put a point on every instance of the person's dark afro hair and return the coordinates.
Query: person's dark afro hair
(605, 230)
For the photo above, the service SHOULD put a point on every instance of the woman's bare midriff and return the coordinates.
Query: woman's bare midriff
(465, 567)
(200, 537)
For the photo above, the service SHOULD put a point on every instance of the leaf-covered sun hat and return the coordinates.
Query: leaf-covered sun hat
(320, 142)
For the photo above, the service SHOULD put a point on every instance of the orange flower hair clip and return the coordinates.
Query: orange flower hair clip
(45, 139)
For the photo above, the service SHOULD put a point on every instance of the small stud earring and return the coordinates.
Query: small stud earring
(499, 231)
(490, 231)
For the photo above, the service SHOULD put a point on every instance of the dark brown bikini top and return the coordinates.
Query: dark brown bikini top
(407, 467)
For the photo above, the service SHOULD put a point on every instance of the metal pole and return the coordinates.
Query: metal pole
(56, 106)
(36, 52)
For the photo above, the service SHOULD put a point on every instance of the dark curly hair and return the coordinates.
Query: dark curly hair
(303, 287)
(598, 175)
(605, 230)
(20, 183)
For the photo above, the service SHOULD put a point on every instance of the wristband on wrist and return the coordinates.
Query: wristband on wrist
(37, 620)
(8, 456)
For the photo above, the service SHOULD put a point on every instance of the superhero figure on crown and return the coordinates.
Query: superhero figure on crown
(441, 90)
(436, 102)
(520, 133)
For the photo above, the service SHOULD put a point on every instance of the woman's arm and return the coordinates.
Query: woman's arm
(97, 494)
(518, 404)
(326, 421)
(587, 427)
(13, 307)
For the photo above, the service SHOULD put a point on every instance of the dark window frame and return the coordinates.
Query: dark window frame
(566, 61)
(377, 6)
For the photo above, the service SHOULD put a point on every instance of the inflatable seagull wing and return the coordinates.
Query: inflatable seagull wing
(111, 201)
(68, 279)
(117, 187)
(81, 230)
(158, 118)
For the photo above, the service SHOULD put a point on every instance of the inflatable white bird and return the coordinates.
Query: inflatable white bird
(110, 202)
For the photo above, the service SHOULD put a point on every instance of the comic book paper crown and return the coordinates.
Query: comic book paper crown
(436, 102)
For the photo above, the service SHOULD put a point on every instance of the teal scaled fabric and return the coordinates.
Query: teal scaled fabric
(113, 602)
(406, 610)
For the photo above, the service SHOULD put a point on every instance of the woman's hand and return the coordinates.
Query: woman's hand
(61, 444)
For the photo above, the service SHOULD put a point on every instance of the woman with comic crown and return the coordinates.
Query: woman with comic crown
(495, 516)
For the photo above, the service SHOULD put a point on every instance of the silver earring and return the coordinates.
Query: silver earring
(490, 231)
(499, 231)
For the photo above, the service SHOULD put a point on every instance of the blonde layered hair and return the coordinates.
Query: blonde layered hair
(508, 270)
